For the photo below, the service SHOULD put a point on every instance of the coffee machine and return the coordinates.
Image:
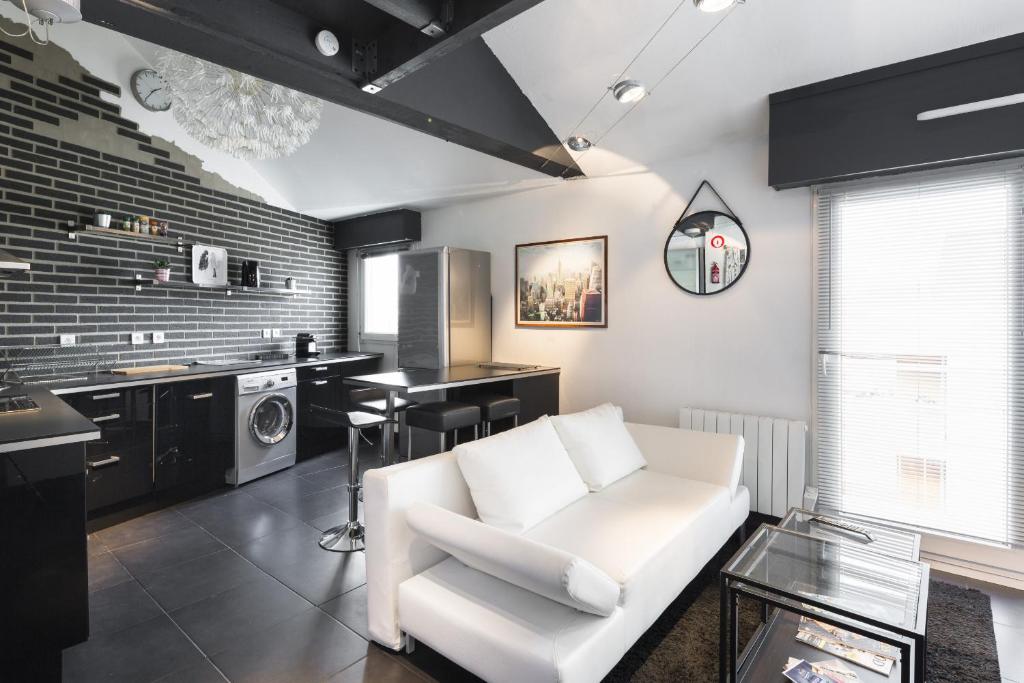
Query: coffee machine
(305, 345)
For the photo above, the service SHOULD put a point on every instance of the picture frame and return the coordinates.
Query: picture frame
(209, 265)
(562, 283)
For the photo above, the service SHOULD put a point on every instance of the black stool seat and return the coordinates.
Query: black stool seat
(352, 420)
(381, 405)
(496, 407)
(442, 416)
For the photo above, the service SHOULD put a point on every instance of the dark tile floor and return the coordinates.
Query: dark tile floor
(234, 587)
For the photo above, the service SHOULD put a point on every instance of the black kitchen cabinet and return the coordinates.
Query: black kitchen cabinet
(192, 444)
(119, 465)
(323, 386)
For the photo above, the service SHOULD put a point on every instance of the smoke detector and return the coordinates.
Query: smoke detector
(52, 11)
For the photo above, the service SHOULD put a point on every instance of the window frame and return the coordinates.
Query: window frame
(362, 256)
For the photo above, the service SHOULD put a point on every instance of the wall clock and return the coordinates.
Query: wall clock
(150, 89)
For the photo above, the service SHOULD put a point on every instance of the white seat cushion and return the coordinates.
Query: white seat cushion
(599, 445)
(539, 568)
(519, 477)
(501, 632)
(641, 526)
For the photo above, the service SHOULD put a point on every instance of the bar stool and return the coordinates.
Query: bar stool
(375, 401)
(443, 417)
(495, 407)
(349, 537)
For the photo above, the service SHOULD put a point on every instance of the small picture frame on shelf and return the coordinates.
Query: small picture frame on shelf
(209, 265)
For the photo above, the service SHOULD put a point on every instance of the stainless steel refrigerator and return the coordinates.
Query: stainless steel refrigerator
(444, 307)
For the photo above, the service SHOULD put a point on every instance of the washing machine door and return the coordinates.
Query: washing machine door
(271, 419)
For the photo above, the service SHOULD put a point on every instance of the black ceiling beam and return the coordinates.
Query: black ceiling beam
(470, 20)
(423, 15)
(274, 43)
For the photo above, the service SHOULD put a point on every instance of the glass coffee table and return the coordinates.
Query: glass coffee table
(807, 570)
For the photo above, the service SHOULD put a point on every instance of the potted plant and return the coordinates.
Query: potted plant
(163, 270)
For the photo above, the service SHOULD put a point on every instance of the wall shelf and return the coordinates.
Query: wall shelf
(115, 234)
(139, 282)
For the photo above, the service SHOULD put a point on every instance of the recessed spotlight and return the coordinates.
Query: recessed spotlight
(629, 91)
(714, 5)
(578, 143)
(327, 43)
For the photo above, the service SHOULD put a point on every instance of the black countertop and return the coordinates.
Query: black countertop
(104, 380)
(415, 380)
(55, 423)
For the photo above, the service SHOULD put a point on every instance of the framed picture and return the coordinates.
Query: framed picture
(209, 265)
(563, 283)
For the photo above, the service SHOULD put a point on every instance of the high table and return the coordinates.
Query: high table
(539, 397)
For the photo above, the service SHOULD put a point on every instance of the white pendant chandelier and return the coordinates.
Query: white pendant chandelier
(242, 115)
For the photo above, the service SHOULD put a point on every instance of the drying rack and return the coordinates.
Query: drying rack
(53, 363)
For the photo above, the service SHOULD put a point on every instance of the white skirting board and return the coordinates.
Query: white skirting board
(774, 455)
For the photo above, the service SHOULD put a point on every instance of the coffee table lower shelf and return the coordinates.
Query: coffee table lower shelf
(764, 657)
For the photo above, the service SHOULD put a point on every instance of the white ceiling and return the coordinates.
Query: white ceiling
(565, 53)
(719, 93)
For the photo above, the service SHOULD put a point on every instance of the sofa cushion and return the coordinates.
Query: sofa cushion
(642, 525)
(536, 567)
(505, 634)
(599, 445)
(519, 477)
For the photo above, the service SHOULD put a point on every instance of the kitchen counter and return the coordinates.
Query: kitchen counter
(54, 424)
(416, 380)
(104, 380)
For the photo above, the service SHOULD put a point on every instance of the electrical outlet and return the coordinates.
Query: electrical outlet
(275, 332)
(158, 337)
(267, 333)
(138, 338)
(67, 340)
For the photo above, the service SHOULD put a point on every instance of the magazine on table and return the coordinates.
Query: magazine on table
(868, 660)
(850, 638)
(832, 669)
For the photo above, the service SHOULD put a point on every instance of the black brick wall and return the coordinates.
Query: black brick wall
(56, 168)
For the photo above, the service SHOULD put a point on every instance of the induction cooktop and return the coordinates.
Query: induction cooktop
(17, 404)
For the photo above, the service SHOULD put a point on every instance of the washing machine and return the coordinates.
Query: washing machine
(265, 430)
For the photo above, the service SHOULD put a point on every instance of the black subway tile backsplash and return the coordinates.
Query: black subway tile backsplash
(54, 168)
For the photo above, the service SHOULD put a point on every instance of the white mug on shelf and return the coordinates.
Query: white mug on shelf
(103, 220)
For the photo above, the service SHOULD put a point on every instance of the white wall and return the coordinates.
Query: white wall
(747, 349)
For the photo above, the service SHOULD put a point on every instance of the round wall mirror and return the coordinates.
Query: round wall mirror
(707, 252)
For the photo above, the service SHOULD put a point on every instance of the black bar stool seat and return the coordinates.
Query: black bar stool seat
(442, 416)
(496, 407)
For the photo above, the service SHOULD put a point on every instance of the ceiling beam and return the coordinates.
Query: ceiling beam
(470, 20)
(423, 15)
(274, 43)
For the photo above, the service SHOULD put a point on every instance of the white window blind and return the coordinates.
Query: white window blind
(919, 391)
(380, 294)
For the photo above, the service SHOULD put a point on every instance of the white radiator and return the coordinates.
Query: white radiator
(774, 455)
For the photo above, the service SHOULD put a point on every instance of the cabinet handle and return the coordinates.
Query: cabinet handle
(322, 368)
(104, 397)
(320, 383)
(112, 460)
(200, 397)
(106, 418)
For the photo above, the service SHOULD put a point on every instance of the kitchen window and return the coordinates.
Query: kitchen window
(918, 383)
(380, 295)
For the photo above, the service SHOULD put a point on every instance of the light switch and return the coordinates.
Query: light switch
(138, 338)
(276, 332)
(268, 333)
(67, 340)
(158, 337)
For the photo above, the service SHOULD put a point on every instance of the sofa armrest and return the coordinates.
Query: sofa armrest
(702, 456)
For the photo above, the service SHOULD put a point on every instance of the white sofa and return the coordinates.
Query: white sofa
(651, 531)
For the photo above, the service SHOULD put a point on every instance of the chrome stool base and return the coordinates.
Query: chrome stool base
(347, 538)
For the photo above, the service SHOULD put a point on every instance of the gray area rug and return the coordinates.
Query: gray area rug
(682, 646)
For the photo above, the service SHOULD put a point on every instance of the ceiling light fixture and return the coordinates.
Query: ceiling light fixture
(715, 5)
(578, 143)
(629, 91)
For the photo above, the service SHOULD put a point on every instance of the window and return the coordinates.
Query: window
(380, 295)
(918, 329)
